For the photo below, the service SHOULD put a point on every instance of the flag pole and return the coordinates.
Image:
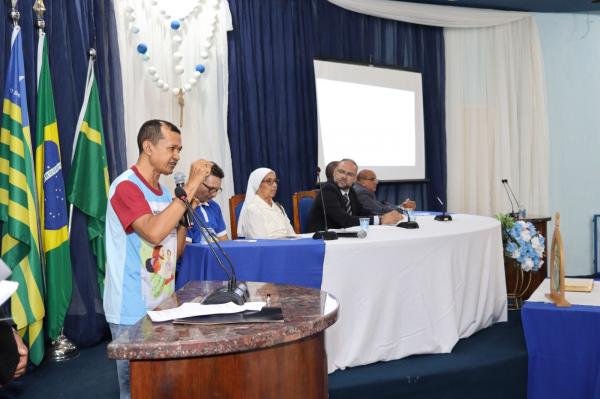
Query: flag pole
(61, 348)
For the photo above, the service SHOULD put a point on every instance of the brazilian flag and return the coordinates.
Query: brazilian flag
(88, 183)
(52, 200)
(18, 210)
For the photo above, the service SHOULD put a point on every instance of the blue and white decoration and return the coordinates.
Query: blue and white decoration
(177, 27)
(525, 245)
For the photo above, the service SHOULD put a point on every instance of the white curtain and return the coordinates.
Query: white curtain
(496, 117)
(204, 131)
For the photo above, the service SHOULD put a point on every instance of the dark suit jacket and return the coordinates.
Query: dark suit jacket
(336, 211)
(368, 201)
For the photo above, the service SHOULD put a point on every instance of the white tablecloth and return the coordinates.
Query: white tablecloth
(405, 292)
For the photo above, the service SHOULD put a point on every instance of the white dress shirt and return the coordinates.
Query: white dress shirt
(266, 221)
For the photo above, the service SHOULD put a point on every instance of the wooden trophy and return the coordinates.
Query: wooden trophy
(557, 268)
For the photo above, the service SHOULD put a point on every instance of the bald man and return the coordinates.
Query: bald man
(365, 187)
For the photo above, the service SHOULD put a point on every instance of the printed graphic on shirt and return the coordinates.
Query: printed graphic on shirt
(158, 265)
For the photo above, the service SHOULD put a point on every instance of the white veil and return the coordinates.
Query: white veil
(254, 181)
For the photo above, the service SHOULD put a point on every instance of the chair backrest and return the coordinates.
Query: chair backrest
(302, 202)
(235, 207)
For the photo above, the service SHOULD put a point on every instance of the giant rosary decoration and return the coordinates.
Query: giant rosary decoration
(183, 86)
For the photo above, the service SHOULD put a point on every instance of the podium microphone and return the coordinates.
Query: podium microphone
(186, 219)
(325, 235)
(512, 207)
(234, 292)
(444, 217)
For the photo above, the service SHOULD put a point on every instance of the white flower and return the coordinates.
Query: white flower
(516, 253)
(527, 265)
(525, 235)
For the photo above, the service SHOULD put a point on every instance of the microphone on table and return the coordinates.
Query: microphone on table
(186, 219)
(507, 189)
(325, 235)
(352, 234)
(234, 292)
(409, 224)
(444, 217)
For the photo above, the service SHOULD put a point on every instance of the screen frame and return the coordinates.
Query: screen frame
(419, 120)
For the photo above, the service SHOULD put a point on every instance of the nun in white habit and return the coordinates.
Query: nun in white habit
(261, 217)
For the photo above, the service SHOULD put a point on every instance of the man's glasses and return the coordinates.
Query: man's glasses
(270, 182)
(212, 190)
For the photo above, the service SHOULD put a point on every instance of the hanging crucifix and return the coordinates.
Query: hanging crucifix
(181, 102)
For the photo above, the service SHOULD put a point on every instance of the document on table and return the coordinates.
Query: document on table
(190, 309)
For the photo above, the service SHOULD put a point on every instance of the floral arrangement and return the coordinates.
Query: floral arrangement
(522, 242)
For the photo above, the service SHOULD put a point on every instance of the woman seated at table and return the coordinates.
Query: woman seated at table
(261, 217)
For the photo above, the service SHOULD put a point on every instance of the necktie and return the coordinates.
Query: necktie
(347, 204)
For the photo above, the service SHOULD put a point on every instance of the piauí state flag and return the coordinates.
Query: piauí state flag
(52, 200)
(18, 210)
(88, 183)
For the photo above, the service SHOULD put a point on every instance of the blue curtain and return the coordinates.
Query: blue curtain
(272, 114)
(72, 27)
(354, 37)
(272, 118)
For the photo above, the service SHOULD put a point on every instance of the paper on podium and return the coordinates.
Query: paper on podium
(191, 309)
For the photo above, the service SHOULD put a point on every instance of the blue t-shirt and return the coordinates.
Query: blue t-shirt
(210, 214)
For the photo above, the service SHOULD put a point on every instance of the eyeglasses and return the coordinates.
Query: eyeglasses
(270, 182)
(372, 179)
(212, 190)
(343, 172)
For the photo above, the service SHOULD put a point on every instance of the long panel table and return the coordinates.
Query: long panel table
(401, 292)
(298, 262)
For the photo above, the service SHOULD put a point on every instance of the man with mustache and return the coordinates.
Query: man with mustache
(142, 216)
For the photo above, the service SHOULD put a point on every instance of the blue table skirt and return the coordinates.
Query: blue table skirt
(297, 262)
(564, 350)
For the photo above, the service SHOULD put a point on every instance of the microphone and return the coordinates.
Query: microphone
(325, 235)
(234, 292)
(513, 213)
(409, 224)
(186, 219)
(351, 234)
(444, 217)
(512, 207)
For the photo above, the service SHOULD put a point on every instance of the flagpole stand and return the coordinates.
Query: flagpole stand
(62, 349)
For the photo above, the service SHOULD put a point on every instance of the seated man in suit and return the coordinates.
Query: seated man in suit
(341, 204)
(365, 187)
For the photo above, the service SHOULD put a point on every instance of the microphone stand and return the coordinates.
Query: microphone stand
(234, 292)
(444, 217)
(512, 213)
(325, 235)
(409, 224)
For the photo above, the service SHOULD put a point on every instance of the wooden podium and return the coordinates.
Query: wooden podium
(260, 360)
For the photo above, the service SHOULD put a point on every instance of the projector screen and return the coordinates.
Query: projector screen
(373, 115)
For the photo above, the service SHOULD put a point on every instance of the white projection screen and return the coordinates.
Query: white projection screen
(373, 115)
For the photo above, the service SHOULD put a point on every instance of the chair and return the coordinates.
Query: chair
(235, 207)
(302, 202)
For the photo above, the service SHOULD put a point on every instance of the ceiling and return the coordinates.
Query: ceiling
(522, 5)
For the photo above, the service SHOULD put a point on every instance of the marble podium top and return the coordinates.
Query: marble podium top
(303, 310)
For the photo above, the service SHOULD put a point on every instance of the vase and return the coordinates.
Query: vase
(522, 281)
